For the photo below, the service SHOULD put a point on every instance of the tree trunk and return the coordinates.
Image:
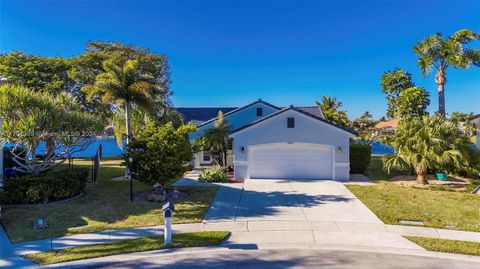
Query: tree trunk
(128, 123)
(421, 179)
(440, 79)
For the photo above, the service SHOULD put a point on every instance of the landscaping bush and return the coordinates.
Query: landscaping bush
(213, 174)
(359, 157)
(52, 186)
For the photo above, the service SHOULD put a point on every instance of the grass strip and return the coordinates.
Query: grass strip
(198, 239)
(445, 245)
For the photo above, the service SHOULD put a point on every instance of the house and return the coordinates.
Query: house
(476, 120)
(387, 127)
(268, 141)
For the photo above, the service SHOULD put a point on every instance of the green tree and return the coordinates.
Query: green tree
(36, 72)
(87, 66)
(412, 102)
(364, 127)
(462, 120)
(30, 118)
(435, 51)
(425, 143)
(393, 83)
(330, 108)
(216, 139)
(125, 85)
(160, 153)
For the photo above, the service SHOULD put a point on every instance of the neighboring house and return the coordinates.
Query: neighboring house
(476, 120)
(387, 127)
(273, 142)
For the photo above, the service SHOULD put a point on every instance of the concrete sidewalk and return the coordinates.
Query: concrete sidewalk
(256, 232)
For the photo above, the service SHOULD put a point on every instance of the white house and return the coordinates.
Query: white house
(476, 120)
(273, 142)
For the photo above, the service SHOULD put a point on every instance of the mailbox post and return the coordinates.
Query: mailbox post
(168, 210)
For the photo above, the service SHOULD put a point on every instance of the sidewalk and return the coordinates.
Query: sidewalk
(256, 232)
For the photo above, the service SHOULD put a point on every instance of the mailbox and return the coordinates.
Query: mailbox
(168, 209)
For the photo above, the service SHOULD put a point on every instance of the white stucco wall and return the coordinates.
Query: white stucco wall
(307, 130)
(477, 123)
(237, 119)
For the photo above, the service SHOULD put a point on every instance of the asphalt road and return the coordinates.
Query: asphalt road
(275, 258)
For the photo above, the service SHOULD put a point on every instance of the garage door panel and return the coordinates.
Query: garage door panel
(290, 161)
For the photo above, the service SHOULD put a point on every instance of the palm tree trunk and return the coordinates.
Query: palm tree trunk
(128, 126)
(440, 79)
(421, 179)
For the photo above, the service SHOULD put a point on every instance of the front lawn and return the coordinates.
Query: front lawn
(106, 205)
(444, 245)
(439, 209)
(436, 208)
(198, 239)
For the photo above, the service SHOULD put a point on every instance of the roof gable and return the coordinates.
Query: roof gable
(343, 128)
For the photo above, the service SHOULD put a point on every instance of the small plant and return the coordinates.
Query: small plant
(213, 174)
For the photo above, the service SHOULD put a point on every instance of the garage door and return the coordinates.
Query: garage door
(292, 161)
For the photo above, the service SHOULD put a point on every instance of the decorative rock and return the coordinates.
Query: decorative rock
(155, 197)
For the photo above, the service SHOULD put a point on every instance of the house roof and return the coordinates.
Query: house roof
(198, 115)
(203, 115)
(474, 117)
(393, 123)
(300, 110)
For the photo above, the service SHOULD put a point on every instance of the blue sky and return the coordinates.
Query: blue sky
(229, 53)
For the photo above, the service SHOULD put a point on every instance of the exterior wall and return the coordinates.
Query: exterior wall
(307, 130)
(237, 119)
(477, 123)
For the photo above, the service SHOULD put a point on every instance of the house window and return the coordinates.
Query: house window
(259, 112)
(290, 122)
(207, 156)
(230, 144)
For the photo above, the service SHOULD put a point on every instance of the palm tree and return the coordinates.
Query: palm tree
(442, 53)
(426, 143)
(216, 138)
(125, 85)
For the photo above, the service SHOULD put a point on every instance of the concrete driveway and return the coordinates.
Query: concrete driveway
(302, 200)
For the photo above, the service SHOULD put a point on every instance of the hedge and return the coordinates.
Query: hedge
(51, 186)
(360, 155)
(213, 174)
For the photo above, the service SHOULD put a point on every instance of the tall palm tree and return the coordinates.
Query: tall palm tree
(435, 51)
(426, 143)
(125, 85)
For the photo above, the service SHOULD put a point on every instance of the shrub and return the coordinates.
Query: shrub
(359, 157)
(160, 153)
(52, 186)
(213, 174)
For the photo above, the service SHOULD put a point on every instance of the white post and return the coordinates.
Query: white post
(167, 234)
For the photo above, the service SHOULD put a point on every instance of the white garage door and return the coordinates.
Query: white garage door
(293, 161)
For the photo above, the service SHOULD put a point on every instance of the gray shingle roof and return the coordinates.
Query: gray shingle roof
(202, 115)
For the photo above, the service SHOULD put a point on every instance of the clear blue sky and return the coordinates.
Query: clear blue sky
(288, 52)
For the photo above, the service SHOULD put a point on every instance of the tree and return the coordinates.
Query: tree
(462, 120)
(364, 127)
(125, 85)
(392, 84)
(87, 66)
(435, 51)
(31, 118)
(216, 139)
(160, 153)
(330, 108)
(426, 143)
(412, 102)
(36, 72)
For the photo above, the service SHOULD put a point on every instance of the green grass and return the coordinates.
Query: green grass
(105, 206)
(439, 209)
(198, 239)
(444, 245)
(376, 172)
